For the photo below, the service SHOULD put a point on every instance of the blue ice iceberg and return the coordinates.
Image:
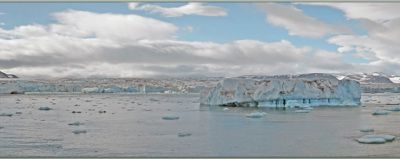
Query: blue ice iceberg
(283, 91)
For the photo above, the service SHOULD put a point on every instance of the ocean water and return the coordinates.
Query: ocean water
(132, 126)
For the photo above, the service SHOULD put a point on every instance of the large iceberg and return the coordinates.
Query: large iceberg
(283, 91)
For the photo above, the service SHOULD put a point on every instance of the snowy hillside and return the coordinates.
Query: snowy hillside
(283, 91)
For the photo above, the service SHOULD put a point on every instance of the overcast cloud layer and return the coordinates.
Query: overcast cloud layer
(82, 44)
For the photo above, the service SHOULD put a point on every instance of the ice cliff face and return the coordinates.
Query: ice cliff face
(283, 91)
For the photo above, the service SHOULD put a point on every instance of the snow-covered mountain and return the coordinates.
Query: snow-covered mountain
(367, 78)
(3, 75)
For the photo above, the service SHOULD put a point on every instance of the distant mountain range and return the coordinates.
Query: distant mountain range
(363, 78)
(4, 75)
(376, 77)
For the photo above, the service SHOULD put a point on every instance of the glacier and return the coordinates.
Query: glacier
(9, 85)
(283, 91)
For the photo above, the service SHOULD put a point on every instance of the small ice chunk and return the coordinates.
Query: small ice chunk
(376, 140)
(147, 109)
(256, 115)
(307, 108)
(392, 103)
(77, 123)
(302, 111)
(154, 100)
(380, 112)
(79, 131)
(184, 134)
(44, 108)
(170, 117)
(6, 114)
(225, 109)
(384, 136)
(366, 130)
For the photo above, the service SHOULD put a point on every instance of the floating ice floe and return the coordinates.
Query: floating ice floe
(307, 108)
(44, 108)
(302, 111)
(366, 130)
(170, 117)
(154, 100)
(395, 109)
(184, 134)
(256, 115)
(376, 139)
(392, 103)
(225, 109)
(75, 123)
(371, 140)
(380, 112)
(6, 114)
(79, 131)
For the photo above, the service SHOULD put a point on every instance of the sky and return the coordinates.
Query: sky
(197, 39)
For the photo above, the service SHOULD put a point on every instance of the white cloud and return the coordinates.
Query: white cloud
(111, 26)
(380, 45)
(192, 8)
(298, 23)
(379, 12)
(86, 44)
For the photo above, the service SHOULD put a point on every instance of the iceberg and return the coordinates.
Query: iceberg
(283, 91)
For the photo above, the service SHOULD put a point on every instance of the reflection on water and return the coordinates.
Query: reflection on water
(132, 125)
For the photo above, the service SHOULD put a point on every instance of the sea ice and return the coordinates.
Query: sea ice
(256, 115)
(44, 108)
(376, 139)
(371, 140)
(302, 111)
(170, 117)
(395, 109)
(184, 134)
(384, 136)
(380, 112)
(79, 131)
(77, 123)
(6, 114)
(367, 130)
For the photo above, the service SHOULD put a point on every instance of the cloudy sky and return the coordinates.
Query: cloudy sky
(187, 39)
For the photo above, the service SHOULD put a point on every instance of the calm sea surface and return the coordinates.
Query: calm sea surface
(132, 125)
